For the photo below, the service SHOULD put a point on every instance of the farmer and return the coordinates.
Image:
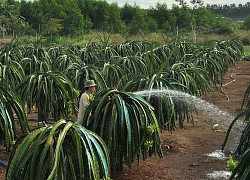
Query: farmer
(85, 99)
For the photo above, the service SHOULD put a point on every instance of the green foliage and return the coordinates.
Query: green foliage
(160, 14)
(10, 103)
(52, 27)
(230, 10)
(33, 14)
(231, 164)
(152, 24)
(10, 21)
(122, 119)
(242, 170)
(73, 22)
(221, 26)
(148, 144)
(114, 23)
(183, 17)
(150, 129)
(10, 68)
(84, 16)
(246, 23)
(246, 51)
(48, 91)
(138, 24)
(203, 18)
(64, 150)
(87, 25)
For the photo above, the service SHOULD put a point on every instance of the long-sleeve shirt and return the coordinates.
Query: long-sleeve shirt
(83, 103)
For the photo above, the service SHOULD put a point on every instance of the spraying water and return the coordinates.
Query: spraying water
(217, 154)
(202, 106)
(219, 175)
(221, 118)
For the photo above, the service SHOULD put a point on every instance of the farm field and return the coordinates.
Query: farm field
(184, 151)
(169, 87)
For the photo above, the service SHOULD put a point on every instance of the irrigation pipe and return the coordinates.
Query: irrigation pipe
(230, 81)
(221, 89)
(3, 163)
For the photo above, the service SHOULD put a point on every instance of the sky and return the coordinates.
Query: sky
(147, 3)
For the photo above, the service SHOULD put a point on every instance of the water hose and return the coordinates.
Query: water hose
(3, 163)
(233, 79)
(221, 89)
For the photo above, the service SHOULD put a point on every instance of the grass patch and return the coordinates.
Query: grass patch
(156, 38)
(246, 51)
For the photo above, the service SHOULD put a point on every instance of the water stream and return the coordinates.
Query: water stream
(219, 155)
(219, 175)
(221, 120)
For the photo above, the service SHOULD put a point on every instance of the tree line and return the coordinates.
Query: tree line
(231, 10)
(75, 17)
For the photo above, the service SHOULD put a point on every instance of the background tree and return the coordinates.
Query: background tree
(115, 23)
(152, 24)
(11, 22)
(73, 23)
(127, 13)
(136, 19)
(160, 13)
(230, 11)
(183, 17)
(78, 16)
(32, 12)
(138, 23)
(246, 23)
(52, 27)
(99, 14)
(203, 18)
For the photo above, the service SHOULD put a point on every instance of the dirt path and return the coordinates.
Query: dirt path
(185, 150)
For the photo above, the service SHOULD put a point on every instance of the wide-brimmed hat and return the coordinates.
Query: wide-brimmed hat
(89, 83)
